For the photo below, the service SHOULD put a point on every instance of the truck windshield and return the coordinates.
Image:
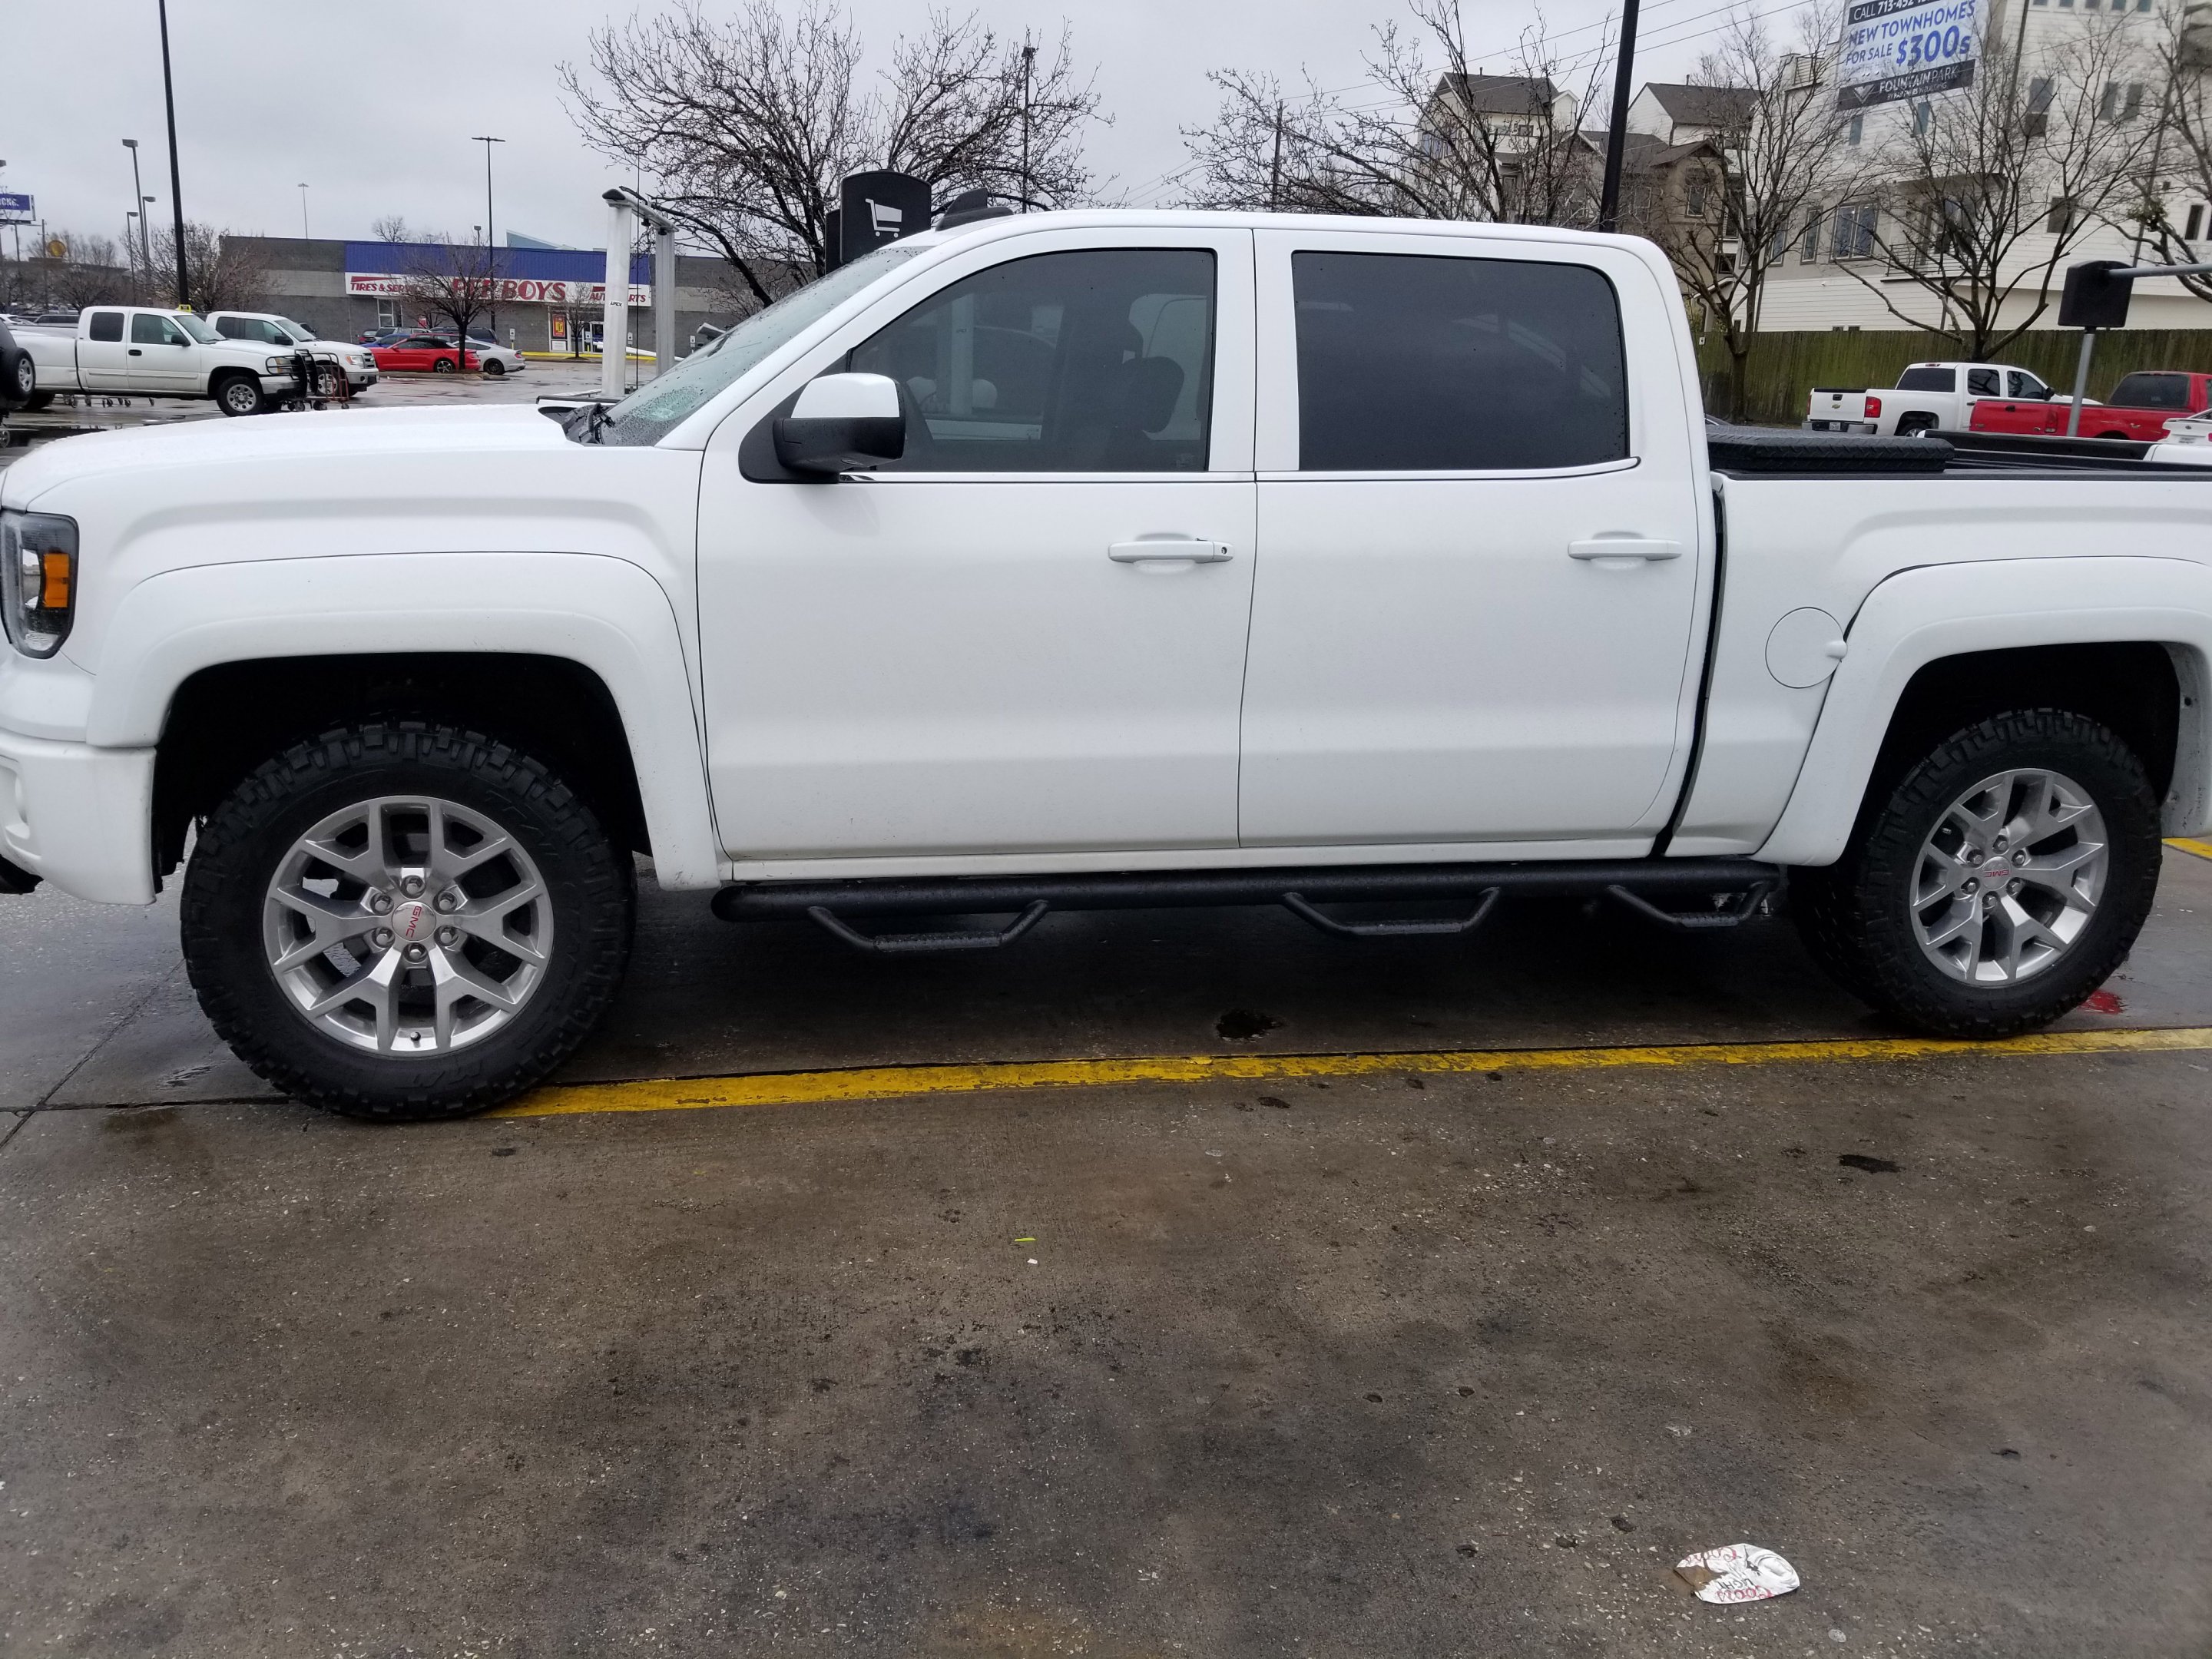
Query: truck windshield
(297, 331)
(195, 326)
(656, 408)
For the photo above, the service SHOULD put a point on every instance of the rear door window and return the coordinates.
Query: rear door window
(1925, 378)
(2152, 392)
(1981, 382)
(1417, 362)
(107, 327)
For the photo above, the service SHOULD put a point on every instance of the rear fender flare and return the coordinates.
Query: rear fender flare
(1924, 615)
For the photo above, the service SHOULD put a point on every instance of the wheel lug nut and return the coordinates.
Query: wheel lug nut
(1971, 885)
(449, 937)
(417, 953)
(2019, 858)
(380, 903)
(382, 939)
(449, 899)
(411, 885)
(1989, 901)
(2013, 887)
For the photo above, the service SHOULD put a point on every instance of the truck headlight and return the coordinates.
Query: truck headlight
(38, 580)
(277, 366)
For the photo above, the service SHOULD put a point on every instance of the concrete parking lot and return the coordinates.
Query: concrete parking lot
(1418, 1298)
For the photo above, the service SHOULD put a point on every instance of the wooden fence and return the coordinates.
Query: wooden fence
(1785, 368)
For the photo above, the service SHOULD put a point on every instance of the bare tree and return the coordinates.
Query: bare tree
(1775, 146)
(1989, 188)
(391, 228)
(2180, 157)
(449, 279)
(93, 272)
(224, 272)
(1444, 140)
(746, 127)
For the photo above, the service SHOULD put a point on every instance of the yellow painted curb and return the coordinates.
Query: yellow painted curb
(894, 1082)
(2201, 848)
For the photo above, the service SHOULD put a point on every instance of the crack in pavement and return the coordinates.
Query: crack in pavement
(105, 1037)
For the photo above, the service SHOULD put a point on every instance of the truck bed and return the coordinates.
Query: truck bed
(1781, 452)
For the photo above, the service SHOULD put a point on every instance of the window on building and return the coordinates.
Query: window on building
(1857, 128)
(387, 315)
(1696, 202)
(1924, 114)
(2061, 220)
(2131, 102)
(1415, 363)
(2194, 224)
(1853, 237)
(1808, 248)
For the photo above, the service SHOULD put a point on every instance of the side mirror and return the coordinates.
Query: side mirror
(842, 423)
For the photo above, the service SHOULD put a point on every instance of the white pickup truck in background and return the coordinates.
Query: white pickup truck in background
(266, 328)
(1926, 398)
(1090, 559)
(156, 354)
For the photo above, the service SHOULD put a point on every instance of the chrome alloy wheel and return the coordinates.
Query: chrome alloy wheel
(2009, 877)
(407, 925)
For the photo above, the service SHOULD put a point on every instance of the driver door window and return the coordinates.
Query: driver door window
(1097, 361)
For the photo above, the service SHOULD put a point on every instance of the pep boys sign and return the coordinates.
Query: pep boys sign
(512, 290)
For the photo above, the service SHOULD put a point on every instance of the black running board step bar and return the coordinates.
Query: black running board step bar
(1297, 904)
(956, 939)
(1739, 909)
(1355, 884)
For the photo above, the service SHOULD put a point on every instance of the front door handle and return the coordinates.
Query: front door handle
(1604, 547)
(1168, 550)
(135, 352)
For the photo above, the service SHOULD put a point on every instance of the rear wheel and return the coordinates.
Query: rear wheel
(1912, 426)
(443, 366)
(240, 394)
(494, 367)
(405, 921)
(2004, 879)
(27, 379)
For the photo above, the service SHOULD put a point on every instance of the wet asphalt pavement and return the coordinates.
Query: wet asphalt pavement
(1405, 1365)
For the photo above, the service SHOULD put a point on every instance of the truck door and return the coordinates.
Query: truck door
(163, 356)
(103, 359)
(1481, 545)
(1027, 635)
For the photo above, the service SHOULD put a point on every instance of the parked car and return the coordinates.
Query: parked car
(1330, 562)
(496, 359)
(19, 381)
(266, 328)
(422, 353)
(163, 354)
(2140, 407)
(376, 337)
(1926, 396)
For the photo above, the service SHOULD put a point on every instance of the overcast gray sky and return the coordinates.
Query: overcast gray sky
(372, 105)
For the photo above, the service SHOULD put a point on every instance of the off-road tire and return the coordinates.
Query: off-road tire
(1856, 915)
(591, 883)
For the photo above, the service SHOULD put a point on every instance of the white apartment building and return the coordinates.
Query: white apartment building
(1823, 281)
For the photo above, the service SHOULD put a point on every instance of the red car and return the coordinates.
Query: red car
(421, 353)
(2140, 406)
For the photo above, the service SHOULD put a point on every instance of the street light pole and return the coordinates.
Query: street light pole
(176, 176)
(138, 190)
(304, 236)
(491, 250)
(1616, 131)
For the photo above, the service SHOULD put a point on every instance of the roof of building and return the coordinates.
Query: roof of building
(1502, 94)
(1702, 106)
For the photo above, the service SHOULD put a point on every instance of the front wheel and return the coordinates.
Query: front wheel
(2002, 880)
(405, 921)
(240, 395)
(26, 379)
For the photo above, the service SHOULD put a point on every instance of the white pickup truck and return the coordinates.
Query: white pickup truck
(1095, 559)
(157, 353)
(1927, 397)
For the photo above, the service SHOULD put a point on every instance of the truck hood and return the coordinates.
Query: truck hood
(267, 445)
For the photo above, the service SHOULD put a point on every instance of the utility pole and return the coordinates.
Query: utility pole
(1275, 167)
(1616, 131)
(304, 236)
(176, 176)
(1029, 66)
(491, 252)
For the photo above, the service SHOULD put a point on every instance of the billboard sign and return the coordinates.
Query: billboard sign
(1900, 49)
(17, 208)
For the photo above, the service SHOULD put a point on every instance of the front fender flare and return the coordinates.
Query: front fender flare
(1924, 615)
(604, 613)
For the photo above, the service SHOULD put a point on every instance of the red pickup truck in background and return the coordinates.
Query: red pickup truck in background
(2140, 406)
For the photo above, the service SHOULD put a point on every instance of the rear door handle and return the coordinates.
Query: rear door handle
(1624, 547)
(1168, 550)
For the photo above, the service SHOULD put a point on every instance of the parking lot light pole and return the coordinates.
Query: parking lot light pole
(1616, 130)
(491, 248)
(176, 175)
(138, 190)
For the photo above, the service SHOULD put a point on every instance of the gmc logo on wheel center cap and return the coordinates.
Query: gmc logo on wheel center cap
(412, 922)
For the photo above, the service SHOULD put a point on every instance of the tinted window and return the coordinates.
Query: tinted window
(1928, 379)
(1981, 382)
(234, 328)
(107, 325)
(2152, 392)
(1092, 362)
(2018, 384)
(1412, 363)
(147, 328)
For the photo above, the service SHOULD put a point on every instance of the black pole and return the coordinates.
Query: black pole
(176, 177)
(1616, 131)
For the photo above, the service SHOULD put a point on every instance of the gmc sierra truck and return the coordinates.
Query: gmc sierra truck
(1084, 560)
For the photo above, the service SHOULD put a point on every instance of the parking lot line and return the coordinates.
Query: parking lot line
(2201, 848)
(892, 1082)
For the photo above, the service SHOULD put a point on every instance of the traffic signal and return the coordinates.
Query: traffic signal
(2095, 298)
